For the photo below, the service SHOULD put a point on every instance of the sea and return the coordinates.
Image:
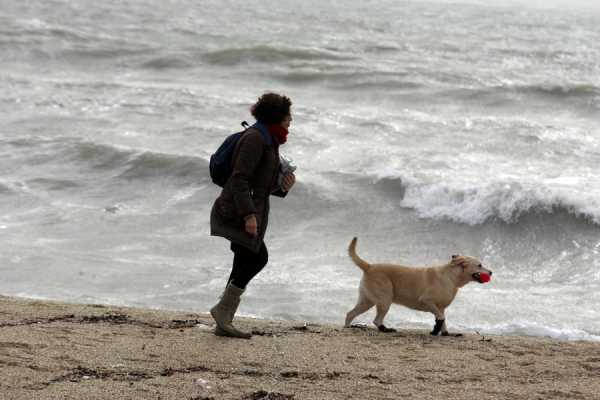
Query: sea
(424, 128)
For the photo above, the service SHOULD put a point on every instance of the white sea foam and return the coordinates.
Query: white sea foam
(528, 328)
(505, 201)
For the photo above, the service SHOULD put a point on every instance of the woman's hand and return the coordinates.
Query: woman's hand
(288, 181)
(251, 225)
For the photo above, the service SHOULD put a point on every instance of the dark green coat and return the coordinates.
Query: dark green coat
(255, 172)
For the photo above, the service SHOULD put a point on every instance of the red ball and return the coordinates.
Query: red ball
(484, 277)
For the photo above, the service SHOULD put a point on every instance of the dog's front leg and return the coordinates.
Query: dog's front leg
(440, 318)
(440, 326)
(443, 329)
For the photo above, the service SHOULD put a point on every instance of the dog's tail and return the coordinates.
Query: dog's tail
(365, 266)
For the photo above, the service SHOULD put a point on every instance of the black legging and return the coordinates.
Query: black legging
(246, 264)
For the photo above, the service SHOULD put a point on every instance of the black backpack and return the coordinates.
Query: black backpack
(221, 163)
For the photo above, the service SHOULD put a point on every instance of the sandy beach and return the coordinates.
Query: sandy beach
(52, 350)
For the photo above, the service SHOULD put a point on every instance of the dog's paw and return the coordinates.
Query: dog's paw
(451, 334)
(383, 328)
(357, 326)
(438, 327)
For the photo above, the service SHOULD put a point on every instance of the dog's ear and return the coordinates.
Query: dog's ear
(458, 261)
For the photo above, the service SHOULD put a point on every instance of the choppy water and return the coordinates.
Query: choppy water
(424, 128)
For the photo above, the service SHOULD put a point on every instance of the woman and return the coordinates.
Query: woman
(240, 214)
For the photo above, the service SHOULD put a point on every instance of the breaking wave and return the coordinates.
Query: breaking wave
(500, 201)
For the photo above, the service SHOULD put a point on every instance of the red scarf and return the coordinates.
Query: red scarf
(279, 133)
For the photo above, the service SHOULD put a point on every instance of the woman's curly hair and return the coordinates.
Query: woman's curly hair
(271, 108)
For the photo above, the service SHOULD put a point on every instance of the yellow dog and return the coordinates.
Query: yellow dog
(425, 289)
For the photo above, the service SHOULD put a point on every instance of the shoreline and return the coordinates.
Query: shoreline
(53, 350)
(544, 333)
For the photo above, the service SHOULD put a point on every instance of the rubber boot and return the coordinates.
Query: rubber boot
(224, 311)
(221, 332)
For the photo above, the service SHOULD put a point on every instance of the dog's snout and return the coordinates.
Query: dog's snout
(491, 273)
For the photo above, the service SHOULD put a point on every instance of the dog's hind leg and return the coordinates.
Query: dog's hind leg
(362, 306)
(382, 309)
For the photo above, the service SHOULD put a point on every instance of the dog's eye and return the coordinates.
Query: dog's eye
(480, 266)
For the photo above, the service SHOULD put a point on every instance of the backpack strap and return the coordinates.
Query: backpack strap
(262, 128)
(264, 131)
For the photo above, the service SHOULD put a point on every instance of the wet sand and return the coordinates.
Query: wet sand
(53, 350)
